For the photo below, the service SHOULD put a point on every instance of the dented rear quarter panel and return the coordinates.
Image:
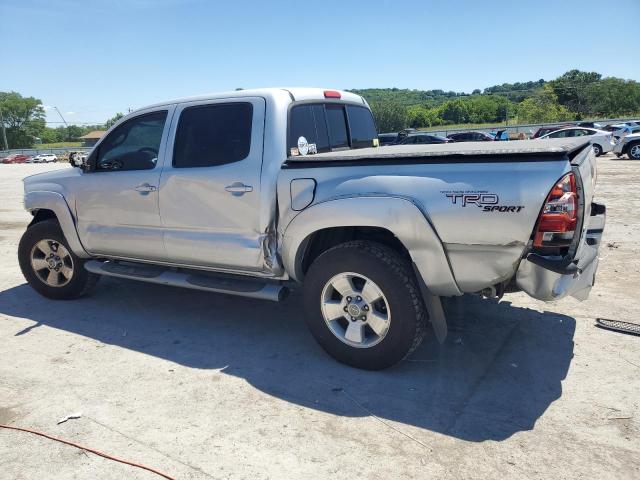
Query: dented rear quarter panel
(482, 247)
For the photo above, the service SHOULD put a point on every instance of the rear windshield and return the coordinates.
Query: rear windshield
(324, 127)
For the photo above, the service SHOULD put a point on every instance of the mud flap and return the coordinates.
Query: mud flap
(436, 315)
(434, 309)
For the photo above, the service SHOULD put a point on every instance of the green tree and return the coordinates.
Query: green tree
(571, 90)
(542, 107)
(421, 116)
(389, 116)
(612, 97)
(23, 118)
(73, 133)
(109, 123)
(455, 111)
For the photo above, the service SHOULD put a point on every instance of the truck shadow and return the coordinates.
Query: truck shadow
(496, 374)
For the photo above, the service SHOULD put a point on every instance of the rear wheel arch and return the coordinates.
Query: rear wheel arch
(324, 239)
(630, 147)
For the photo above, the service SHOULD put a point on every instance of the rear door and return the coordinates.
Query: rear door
(210, 184)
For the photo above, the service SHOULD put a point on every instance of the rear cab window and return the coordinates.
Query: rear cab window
(319, 127)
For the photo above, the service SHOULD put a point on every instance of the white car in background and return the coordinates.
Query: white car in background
(44, 158)
(601, 140)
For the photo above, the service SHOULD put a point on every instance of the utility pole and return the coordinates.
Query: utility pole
(4, 133)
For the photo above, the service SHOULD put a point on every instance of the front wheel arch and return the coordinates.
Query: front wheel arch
(43, 214)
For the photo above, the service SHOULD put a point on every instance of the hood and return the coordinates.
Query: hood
(50, 181)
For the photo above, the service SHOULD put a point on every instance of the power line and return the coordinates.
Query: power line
(78, 123)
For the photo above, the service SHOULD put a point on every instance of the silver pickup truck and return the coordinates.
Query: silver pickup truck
(251, 191)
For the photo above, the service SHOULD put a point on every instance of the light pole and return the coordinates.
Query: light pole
(4, 133)
(65, 122)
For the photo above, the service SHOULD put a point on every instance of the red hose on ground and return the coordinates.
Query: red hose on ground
(96, 452)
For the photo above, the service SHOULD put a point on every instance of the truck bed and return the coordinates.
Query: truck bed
(467, 152)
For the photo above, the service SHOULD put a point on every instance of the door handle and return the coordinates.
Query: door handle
(238, 188)
(145, 188)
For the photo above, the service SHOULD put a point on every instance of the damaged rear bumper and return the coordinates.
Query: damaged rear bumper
(553, 278)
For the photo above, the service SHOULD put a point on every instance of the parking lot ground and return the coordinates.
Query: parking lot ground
(208, 386)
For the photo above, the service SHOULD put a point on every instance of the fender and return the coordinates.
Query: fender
(398, 215)
(57, 204)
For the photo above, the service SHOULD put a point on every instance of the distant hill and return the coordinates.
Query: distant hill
(575, 95)
(408, 97)
(515, 92)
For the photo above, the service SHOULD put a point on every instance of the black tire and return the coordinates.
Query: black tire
(631, 150)
(81, 280)
(395, 278)
(597, 149)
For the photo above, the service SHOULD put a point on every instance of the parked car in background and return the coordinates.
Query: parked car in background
(44, 158)
(546, 130)
(623, 132)
(614, 127)
(589, 125)
(602, 141)
(628, 145)
(422, 138)
(16, 158)
(500, 135)
(387, 138)
(403, 133)
(471, 137)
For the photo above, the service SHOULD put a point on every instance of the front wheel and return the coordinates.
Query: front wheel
(597, 150)
(634, 151)
(363, 305)
(49, 265)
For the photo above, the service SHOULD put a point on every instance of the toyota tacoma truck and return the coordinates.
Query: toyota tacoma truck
(252, 191)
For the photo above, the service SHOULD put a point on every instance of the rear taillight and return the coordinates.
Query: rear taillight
(559, 216)
(331, 94)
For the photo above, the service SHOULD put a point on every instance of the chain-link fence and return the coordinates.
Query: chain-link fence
(59, 151)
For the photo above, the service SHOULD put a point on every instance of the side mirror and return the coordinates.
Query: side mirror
(74, 159)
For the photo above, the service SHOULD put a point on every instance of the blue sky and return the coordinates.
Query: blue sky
(93, 59)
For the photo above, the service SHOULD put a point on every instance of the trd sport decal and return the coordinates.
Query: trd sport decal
(488, 202)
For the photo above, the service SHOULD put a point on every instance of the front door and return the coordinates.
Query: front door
(210, 184)
(117, 201)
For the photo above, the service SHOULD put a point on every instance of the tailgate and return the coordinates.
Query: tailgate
(551, 278)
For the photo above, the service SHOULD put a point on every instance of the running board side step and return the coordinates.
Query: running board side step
(194, 279)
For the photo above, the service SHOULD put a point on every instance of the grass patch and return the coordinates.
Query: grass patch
(58, 145)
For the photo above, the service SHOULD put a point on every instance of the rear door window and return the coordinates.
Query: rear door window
(211, 135)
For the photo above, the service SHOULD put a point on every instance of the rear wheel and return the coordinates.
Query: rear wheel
(49, 265)
(634, 151)
(363, 305)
